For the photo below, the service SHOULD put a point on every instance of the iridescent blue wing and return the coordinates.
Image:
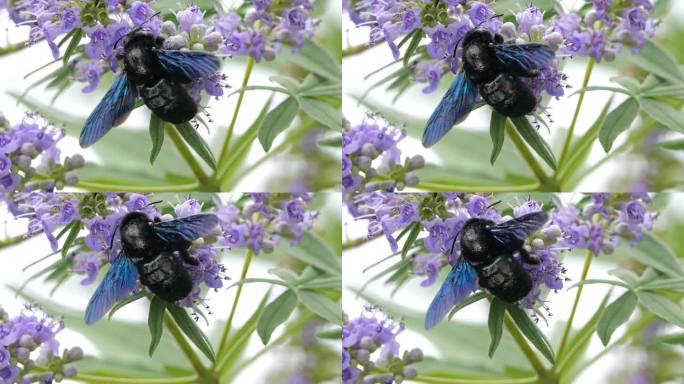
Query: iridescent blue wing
(519, 228)
(120, 280)
(523, 58)
(189, 65)
(455, 106)
(116, 103)
(185, 229)
(461, 281)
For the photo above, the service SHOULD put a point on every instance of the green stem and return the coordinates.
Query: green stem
(229, 324)
(353, 243)
(355, 50)
(121, 380)
(537, 365)
(544, 180)
(571, 130)
(184, 345)
(226, 143)
(10, 241)
(448, 380)
(104, 187)
(257, 164)
(438, 187)
(568, 326)
(187, 155)
(13, 48)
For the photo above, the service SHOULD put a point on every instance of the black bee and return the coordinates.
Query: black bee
(494, 69)
(152, 250)
(487, 251)
(155, 74)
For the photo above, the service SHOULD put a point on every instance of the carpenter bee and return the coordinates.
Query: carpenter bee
(491, 69)
(487, 259)
(153, 250)
(155, 74)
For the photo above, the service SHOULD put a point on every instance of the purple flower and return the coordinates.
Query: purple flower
(188, 17)
(428, 265)
(529, 18)
(89, 71)
(429, 71)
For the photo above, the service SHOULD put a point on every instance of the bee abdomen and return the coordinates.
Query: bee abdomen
(508, 95)
(166, 277)
(169, 100)
(505, 278)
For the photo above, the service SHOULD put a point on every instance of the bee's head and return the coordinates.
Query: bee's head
(139, 36)
(479, 35)
(476, 238)
(137, 232)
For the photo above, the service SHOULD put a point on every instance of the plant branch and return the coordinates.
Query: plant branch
(568, 326)
(537, 365)
(439, 187)
(13, 48)
(231, 127)
(184, 345)
(355, 50)
(123, 380)
(187, 155)
(571, 130)
(449, 380)
(104, 187)
(536, 168)
(229, 324)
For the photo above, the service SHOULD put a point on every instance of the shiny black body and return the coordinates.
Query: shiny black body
(499, 86)
(161, 91)
(159, 266)
(497, 270)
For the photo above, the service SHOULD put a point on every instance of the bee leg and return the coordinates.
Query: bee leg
(185, 255)
(528, 257)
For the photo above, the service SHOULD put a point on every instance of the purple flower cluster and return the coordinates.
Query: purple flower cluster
(442, 216)
(30, 158)
(29, 339)
(606, 28)
(605, 222)
(264, 220)
(369, 342)
(370, 150)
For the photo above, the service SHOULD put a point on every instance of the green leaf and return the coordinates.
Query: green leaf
(317, 60)
(323, 89)
(413, 45)
(191, 330)
(276, 121)
(676, 283)
(674, 338)
(531, 332)
(330, 334)
(412, 236)
(656, 254)
(196, 142)
(73, 44)
(663, 113)
(626, 275)
(322, 112)
(617, 121)
(662, 307)
(536, 142)
(674, 145)
(658, 61)
(497, 129)
(321, 305)
(628, 83)
(155, 321)
(276, 313)
(496, 316)
(616, 314)
(126, 301)
(667, 90)
(71, 237)
(290, 83)
(157, 136)
(287, 275)
(474, 298)
(311, 250)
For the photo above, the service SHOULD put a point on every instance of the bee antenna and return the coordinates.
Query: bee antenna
(493, 204)
(453, 243)
(111, 241)
(154, 202)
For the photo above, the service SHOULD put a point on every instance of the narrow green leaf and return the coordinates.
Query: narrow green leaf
(275, 313)
(662, 307)
(287, 275)
(497, 129)
(674, 338)
(536, 142)
(531, 332)
(663, 113)
(676, 283)
(413, 45)
(674, 145)
(629, 277)
(290, 83)
(599, 281)
(617, 121)
(667, 90)
(71, 237)
(627, 82)
(196, 142)
(321, 305)
(330, 334)
(323, 89)
(412, 236)
(276, 121)
(155, 321)
(496, 316)
(73, 44)
(317, 60)
(334, 141)
(322, 112)
(656, 254)
(191, 330)
(157, 136)
(616, 314)
(313, 251)
(126, 301)
(474, 298)
(658, 61)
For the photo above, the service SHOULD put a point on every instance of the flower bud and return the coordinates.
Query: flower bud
(538, 244)
(362, 355)
(364, 162)
(415, 355)
(74, 354)
(70, 178)
(416, 162)
(176, 42)
(22, 353)
(607, 248)
(267, 246)
(609, 55)
(28, 342)
(537, 32)
(268, 54)
(198, 47)
(69, 370)
(367, 342)
(197, 31)
(212, 40)
(553, 40)
(76, 161)
(166, 217)
(250, 17)
(29, 149)
(520, 41)
(591, 17)
(411, 179)
(551, 233)
(410, 373)
(23, 161)
(169, 28)
(508, 29)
